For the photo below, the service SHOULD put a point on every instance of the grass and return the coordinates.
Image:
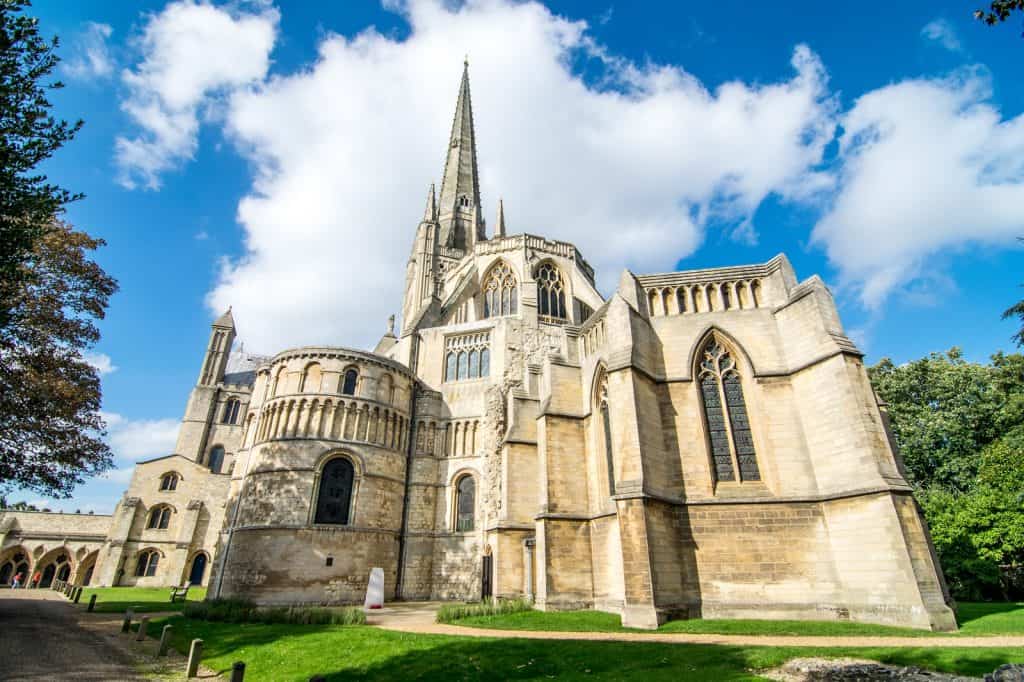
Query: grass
(243, 611)
(139, 599)
(975, 618)
(283, 653)
(450, 613)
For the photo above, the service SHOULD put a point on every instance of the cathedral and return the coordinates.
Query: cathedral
(702, 443)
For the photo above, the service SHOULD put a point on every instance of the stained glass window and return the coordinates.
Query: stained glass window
(335, 496)
(725, 414)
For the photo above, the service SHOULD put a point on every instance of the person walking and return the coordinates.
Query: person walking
(35, 579)
(17, 581)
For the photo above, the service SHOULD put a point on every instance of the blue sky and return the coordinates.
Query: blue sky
(276, 156)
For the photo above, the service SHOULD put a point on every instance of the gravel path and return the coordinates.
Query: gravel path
(419, 618)
(41, 640)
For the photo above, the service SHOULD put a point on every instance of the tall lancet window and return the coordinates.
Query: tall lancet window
(606, 430)
(550, 293)
(725, 413)
(500, 292)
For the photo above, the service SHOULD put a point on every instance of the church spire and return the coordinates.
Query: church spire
(459, 207)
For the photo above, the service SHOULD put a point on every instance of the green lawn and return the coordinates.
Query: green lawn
(975, 619)
(139, 599)
(295, 652)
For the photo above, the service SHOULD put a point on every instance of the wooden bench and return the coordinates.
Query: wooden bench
(179, 593)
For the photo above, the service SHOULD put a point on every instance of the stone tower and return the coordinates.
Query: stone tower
(203, 401)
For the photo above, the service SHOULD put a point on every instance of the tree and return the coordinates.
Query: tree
(999, 11)
(944, 410)
(29, 134)
(50, 428)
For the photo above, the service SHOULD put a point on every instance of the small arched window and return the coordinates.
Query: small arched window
(216, 459)
(159, 518)
(348, 381)
(231, 408)
(500, 291)
(169, 482)
(449, 368)
(550, 292)
(465, 503)
(725, 415)
(279, 381)
(146, 565)
(335, 495)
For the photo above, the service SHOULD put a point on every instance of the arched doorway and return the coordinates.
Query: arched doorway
(88, 575)
(64, 572)
(6, 573)
(195, 577)
(59, 568)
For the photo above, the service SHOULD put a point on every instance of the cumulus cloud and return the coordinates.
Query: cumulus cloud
(137, 439)
(943, 33)
(90, 55)
(191, 53)
(926, 165)
(344, 150)
(101, 362)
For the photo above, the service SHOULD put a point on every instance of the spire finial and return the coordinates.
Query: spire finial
(465, 62)
(458, 207)
(499, 231)
(430, 212)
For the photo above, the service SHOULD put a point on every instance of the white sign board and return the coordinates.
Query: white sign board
(375, 590)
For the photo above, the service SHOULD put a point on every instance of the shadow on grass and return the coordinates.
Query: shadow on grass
(968, 612)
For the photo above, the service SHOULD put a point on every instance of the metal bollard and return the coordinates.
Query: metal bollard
(238, 672)
(195, 655)
(165, 640)
(78, 594)
(92, 603)
(141, 637)
(127, 624)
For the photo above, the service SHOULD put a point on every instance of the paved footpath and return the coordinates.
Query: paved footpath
(419, 618)
(42, 640)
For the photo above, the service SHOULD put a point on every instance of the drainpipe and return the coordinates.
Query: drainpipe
(403, 545)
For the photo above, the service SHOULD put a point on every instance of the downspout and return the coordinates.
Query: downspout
(409, 450)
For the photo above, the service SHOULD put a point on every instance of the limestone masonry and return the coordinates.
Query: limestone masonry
(699, 444)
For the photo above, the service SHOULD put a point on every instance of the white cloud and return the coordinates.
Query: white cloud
(137, 439)
(102, 362)
(90, 55)
(943, 33)
(345, 149)
(191, 52)
(926, 165)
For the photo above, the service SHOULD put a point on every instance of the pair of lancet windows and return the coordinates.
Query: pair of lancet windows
(725, 415)
(231, 408)
(159, 518)
(147, 563)
(169, 482)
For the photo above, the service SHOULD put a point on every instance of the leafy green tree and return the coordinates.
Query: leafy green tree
(29, 134)
(50, 428)
(944, 410)
(999, 11)
(50, 290)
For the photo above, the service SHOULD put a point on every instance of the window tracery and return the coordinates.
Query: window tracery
(169, 482)
(159, 518)
(501, 291)
(550, 293)
(147, 563)
(467, 357)
(725, 413)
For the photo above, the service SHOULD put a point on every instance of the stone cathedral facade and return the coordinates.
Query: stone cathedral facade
(698, 443)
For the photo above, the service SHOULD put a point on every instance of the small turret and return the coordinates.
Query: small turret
(222, 335)
(499, 231)
(430, 212)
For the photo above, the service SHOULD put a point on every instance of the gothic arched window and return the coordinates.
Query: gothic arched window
(348, 382)
(146, 565)
(465, 503)
(231, 408)
(169, 482)
(606, 430)
(159, 518)
(216, 458)
(550, 292)
(335, 494)
(725, 414)
(500, 291)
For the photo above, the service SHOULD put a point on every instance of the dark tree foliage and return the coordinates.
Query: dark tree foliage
(50, 428)
(29, 134)
(999, 11)
(960, 429)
